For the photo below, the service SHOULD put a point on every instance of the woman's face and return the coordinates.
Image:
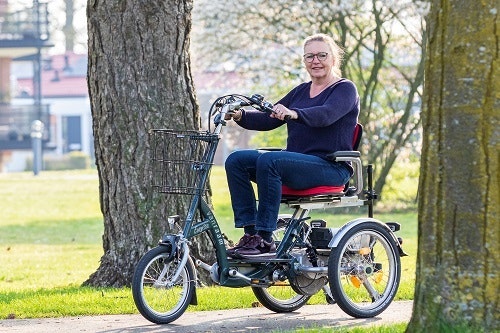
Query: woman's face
(317, 68)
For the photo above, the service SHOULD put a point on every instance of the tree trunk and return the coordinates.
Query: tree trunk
(458, 258)
(139, 78)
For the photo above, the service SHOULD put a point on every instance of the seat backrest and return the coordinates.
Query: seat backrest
(356, 139)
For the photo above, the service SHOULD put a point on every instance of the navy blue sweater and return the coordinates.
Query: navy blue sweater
(325, 122)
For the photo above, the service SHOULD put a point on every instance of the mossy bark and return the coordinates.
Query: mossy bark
(458, 258)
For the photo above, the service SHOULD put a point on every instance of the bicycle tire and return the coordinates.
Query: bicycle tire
(364, 270)
(157, 298)
(280, 297)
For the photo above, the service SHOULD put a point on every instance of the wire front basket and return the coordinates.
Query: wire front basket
(181, 160)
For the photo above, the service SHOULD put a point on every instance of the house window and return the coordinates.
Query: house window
(72, 133)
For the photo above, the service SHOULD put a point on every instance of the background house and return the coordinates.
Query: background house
(24, 33)
(64, 89)
(35, 85)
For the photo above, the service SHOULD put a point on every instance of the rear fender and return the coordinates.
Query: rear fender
(334, 242)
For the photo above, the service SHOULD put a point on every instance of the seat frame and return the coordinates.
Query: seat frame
(336, 196)
(302, 205)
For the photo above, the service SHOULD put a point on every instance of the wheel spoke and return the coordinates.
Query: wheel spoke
(373, 293)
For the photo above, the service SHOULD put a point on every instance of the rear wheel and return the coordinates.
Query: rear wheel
(364, 270)
(158, 297)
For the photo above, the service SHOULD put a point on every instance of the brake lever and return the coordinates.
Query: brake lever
(264, 105)
(267, 106)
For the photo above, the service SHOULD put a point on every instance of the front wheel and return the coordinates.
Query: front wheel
(364, 270)
(158, 297)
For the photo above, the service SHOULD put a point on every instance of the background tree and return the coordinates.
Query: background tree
(69, 28)
(384, 57)
(457, 265)
(139, 78)
(67, 25)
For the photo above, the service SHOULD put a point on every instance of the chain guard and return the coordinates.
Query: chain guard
(304, 285)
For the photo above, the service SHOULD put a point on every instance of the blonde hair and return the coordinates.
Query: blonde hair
(337, 51)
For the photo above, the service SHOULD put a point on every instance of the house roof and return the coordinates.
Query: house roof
(65, 75)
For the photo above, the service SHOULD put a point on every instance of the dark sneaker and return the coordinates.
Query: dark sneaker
(257, 247)
(242, 242)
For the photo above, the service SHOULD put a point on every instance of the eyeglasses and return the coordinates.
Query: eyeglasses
(309, 57)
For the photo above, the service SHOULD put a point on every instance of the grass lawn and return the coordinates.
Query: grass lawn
(51, 241)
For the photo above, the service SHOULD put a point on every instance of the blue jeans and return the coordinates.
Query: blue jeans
(270, 170)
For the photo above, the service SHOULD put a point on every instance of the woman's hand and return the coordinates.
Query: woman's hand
(236, 115)
(281, 112)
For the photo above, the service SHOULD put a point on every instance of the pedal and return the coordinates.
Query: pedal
(259, 283)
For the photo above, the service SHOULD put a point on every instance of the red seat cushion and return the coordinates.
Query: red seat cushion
(286, 191)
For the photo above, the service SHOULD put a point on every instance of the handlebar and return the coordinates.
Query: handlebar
(259, 101)
(266, 106)
(233, 102)
(229, 103)
(236, 102)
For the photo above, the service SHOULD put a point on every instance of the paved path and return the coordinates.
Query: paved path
(241, 320)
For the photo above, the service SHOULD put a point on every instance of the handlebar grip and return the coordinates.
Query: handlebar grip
(268, 107)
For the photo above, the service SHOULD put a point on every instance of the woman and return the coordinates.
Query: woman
(320, 116)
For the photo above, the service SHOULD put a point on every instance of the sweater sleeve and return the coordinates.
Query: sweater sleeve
(340, 101)
(258, 121)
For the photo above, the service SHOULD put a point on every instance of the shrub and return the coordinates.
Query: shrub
(72, 161)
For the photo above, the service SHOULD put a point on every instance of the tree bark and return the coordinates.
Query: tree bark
(139, 78)
(457, 265)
